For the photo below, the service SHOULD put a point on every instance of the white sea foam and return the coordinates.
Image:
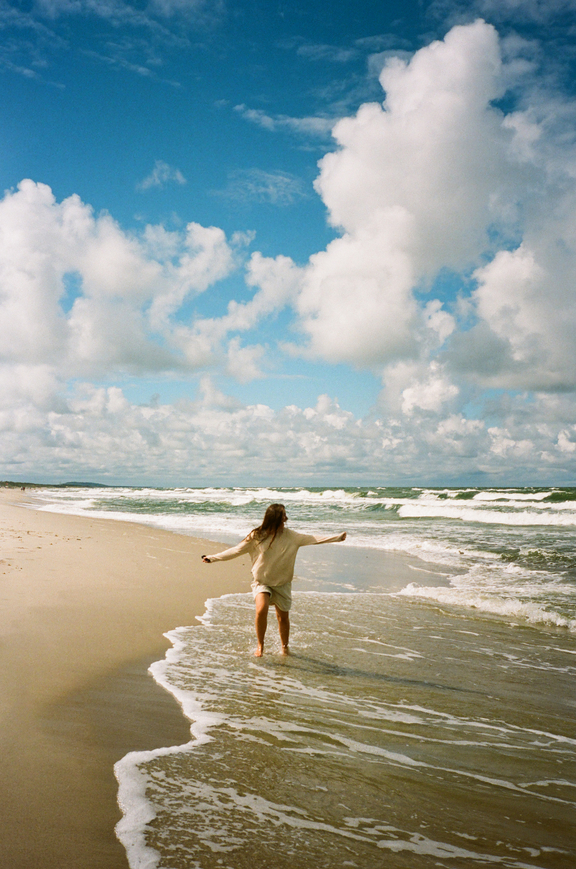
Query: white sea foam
(326, 710)
(505, 495)
(137, 812)
(428, 549)
(492, 517)
(222, 528)
(501, 606)
(137, 809)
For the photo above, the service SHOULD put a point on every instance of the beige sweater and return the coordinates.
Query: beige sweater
(273, 562)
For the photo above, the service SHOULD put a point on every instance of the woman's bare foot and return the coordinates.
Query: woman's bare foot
(285, 650)
(259, 651)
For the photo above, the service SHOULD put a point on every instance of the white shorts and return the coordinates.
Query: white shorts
(280, 596)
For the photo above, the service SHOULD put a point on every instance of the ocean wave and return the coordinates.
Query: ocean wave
(508, 607)
(352, 499)
(490, 517)
(511, 496)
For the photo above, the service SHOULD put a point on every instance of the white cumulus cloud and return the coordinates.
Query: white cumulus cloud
(415, 186)
(434, 188)
(122, 317)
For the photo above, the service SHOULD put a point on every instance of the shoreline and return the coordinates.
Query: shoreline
(85, 603)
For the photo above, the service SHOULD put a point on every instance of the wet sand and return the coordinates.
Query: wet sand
(84, 605)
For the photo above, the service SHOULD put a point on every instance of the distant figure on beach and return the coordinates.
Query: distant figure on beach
(273, 549)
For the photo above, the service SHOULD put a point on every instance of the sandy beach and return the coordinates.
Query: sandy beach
(417, 723)
(85, 603)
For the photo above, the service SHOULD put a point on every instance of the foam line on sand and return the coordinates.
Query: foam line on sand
(84, 605)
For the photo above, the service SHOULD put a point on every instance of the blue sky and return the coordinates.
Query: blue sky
(288, 243)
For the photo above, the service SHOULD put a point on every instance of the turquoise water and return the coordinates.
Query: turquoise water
(426, 715)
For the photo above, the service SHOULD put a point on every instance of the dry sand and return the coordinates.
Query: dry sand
(84, 605)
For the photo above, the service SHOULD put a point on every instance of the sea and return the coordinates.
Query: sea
(426, 716)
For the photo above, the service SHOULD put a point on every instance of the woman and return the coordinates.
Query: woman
(273, 549)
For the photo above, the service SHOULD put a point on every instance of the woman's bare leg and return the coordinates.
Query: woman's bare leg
(284, 628)
(262, 601)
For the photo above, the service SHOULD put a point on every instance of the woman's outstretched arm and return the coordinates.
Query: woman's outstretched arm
(311, 539)
(227, 554)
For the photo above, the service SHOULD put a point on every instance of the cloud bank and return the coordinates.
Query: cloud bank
(83, 296)
(451, 279)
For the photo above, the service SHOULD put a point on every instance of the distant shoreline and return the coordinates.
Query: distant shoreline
(14, 484)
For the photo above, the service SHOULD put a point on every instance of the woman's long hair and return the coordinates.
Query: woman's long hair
(273, 522)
